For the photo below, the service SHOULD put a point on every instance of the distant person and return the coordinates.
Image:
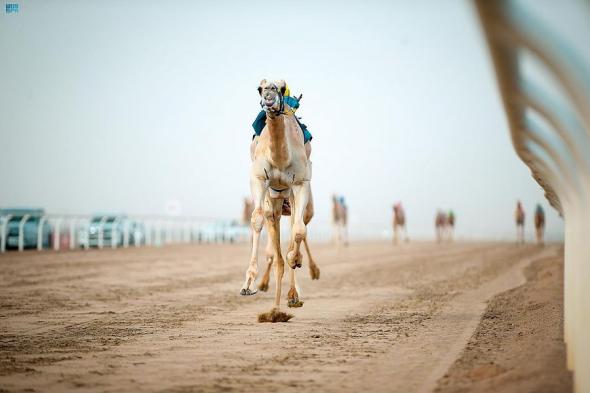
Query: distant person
(519, 217)
(399, 222)
(540, 224)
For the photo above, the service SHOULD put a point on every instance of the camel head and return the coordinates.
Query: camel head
(271, 96)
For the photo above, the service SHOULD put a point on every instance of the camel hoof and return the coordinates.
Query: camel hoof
(294, 260)
(274, 316)
(291, 260)
(263, 286)
(248, 292)
(314, 272)
(294, 303)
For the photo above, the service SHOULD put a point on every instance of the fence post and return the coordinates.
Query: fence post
(21, 232)
(158, 233)
(148, 233)
(72, 233)
(57, 234)
(3, 232)
(101, 231)
(40, 233)
(115, 232)
(87, 243)
(168, 232)
(186, 232)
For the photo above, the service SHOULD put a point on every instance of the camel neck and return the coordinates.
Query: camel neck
(279, 149)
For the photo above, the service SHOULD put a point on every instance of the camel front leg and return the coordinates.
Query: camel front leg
(520, 234)
(258, 187)
(294, 291)
(299, 231)
(273, 218)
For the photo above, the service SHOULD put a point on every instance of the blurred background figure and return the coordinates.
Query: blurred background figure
(339, 220)
(440, 223)
(450, 225)
(540, 224)
(519, 217)
(247, 214)
(399, 222)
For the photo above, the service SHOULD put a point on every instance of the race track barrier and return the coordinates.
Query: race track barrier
(123, 231)
(544, 80)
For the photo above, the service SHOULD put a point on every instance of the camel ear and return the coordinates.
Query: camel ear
(282, 85)
(262, 82)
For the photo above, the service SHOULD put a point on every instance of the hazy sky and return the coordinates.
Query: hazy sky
(123, 106)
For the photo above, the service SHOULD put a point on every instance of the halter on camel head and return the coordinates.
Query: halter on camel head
(272, 96)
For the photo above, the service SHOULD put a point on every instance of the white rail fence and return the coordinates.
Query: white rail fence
(60, 232)
(543, 71)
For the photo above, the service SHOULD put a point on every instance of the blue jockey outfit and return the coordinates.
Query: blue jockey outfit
(292, 102)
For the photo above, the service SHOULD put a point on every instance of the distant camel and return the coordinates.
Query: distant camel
(280, 169)
(519, 217)
(399, 222)
(450, 225)
(339, 221)
(440, 223)
(540, 224)
(247, 213)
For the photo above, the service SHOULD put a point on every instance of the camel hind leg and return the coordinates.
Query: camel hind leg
(314, 270)
(263, 286)
(301, 196)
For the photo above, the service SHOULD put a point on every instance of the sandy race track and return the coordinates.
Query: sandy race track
(381, 318)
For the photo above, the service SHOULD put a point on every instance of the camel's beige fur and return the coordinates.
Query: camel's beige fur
(280, 169)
